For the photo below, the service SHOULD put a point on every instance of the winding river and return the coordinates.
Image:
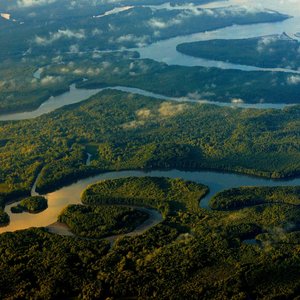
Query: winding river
(165, 51)
(75, 95)
(58, 200)
(154, 218)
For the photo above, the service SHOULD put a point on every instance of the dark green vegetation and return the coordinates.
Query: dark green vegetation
(21, 91)
(100, 221)
(164, 194)
(125, 131)
(271, 214)
(192, 254)
(33, 205)
(41, 265)
(275, 51)
(4, 218)
(249, 196)
(274, 212)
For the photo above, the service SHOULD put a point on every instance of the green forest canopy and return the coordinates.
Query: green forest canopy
(126, 131)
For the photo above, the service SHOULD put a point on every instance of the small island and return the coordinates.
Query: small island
(33, 205)
(4, 218)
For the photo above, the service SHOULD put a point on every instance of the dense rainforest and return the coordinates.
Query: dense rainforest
(192, 254)
(34, 204)
(126, 131)
(164, 194)
(148, 237)
(100, 221)
(250, 196)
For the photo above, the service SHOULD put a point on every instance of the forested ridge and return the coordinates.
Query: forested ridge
(125, 131)
(140, 238)
(273, 51)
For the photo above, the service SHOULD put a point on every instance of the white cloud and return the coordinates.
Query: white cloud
(50, 80)
(30, 3)
(5, 16)
(168, 109)
(265, 42)
(79, 71)
(161, 24)
(106, 64)
(139, 41)
(54, 36)
(158, 23)
(96, 31)
(114, 11)
(74, 48)
(237, 101)
(93, 71)
(138, 67)
(293, 80)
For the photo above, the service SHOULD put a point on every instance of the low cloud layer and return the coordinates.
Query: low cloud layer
(30, 3)
(293, 80)
(60, 34)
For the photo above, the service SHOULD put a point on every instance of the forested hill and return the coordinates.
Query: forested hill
(273, 51)
(126, 131)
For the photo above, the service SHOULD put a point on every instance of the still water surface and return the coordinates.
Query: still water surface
(75, 95)
(165, 51)
(58, 200)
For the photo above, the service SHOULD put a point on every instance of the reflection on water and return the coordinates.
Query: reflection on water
(73, 96)
(165, 51)
(59, 199)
